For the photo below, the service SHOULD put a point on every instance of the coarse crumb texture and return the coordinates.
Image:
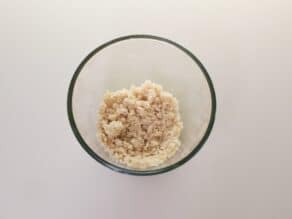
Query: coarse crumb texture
(140, 127)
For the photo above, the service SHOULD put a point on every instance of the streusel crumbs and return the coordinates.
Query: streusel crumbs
(140, 127)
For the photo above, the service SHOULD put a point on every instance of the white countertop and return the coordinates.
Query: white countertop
(243, 171)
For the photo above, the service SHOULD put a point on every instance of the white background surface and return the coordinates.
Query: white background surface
(243, 171)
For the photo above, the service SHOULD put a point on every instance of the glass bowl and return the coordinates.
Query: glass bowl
(131, 60)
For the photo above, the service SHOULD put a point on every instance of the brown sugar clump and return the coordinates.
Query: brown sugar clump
(140, 127)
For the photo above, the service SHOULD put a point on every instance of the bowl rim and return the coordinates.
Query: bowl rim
(122, 169)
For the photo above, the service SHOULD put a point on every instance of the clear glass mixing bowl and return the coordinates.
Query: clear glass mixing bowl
(130, 60)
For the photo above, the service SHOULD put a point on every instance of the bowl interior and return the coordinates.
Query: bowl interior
(123, 63)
